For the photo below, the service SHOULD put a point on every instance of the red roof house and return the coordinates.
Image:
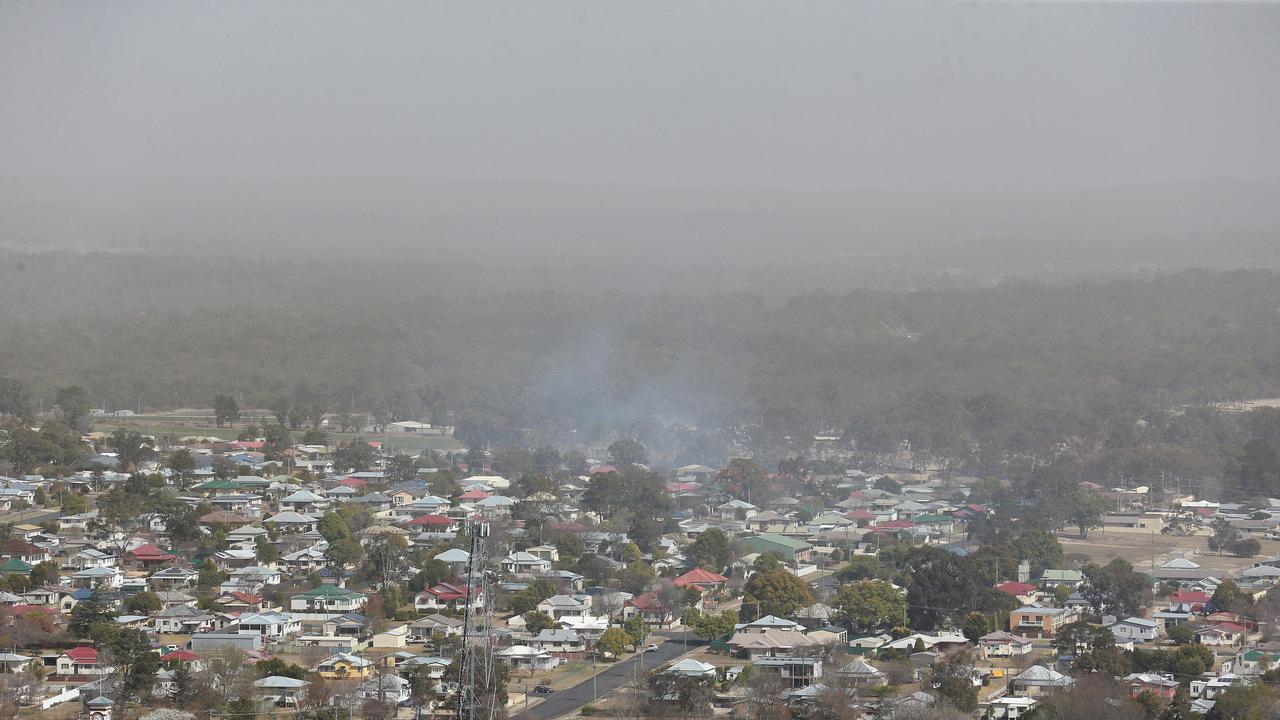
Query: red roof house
(895, 525)
(1017, 589)
(701, 580)
(1197, 599)
(447, 596)
(77, 661)
(23, 550)
(474, 495)
(147, 555)
(179, 656)
(433, 521)
(650, 610)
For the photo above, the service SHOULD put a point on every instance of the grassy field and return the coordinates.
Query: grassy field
(1138, 549)
(182, 425)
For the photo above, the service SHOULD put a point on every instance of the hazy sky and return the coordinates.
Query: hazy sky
(734, 93)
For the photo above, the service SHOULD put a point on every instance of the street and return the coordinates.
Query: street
(612, 677)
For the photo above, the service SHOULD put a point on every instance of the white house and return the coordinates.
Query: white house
(522, 563)
(525, 658)
(562, 606)
(386, 688)
(270, 625)
(281, 690)
(1135, 629)
(1001, 644)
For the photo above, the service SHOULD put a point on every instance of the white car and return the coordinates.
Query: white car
(651, 648)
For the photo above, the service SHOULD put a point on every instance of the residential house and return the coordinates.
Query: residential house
(273, 626)
(546, 552)
(182, 620)
(329, 600)
(691, 668)
(435, 666)
(283, 691)
(24, 551)
(793, 672)
(559, 607)
(148, 556)
(172, 578)
(777, 643)
(522, 563)
(560, 642)
(817, 616)
(1038, 680)
(564, 581)
(241, 602)
(347, 625)
(1162, 686)
(1135, 629)
(648, 607)
(736, 509)
(1025, 593)
(79, 661)
(344, 666)
(703, 581)
(91, 557)
(1011, 708)
(495, 506)
(305, 561)
(860, 673)
(1001, 644)
(1052, 578)
(456, 558)
(1222, 634)
(424, 629)
(1040, 622)
(391, 689)
(291, 522)
(791, 550)
(303, 501)
(105, 578)
(525, 659)
(449, 596)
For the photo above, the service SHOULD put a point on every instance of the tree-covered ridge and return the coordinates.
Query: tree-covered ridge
(1016, 368)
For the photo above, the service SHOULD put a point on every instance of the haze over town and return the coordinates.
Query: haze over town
(778, 360)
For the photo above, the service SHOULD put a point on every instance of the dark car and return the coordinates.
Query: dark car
(543, 690)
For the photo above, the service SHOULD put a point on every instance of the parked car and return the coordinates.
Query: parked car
(543, 690)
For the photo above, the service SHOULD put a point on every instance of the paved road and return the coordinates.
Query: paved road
(611, 678)
(33, 516)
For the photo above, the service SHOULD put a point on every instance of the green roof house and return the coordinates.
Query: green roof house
(327, 599)
(792, 550)
(14, 566)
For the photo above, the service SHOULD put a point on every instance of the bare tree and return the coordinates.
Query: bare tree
(1094, 698)
(764, 698)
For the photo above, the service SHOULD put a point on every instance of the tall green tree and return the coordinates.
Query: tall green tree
(225, 410)
(975, 626)
(711, 549)
(869, 605)
(1113, 588)
(183, 467)
(15, 398)
(73, 401)
(626, 452)
(774, 592)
